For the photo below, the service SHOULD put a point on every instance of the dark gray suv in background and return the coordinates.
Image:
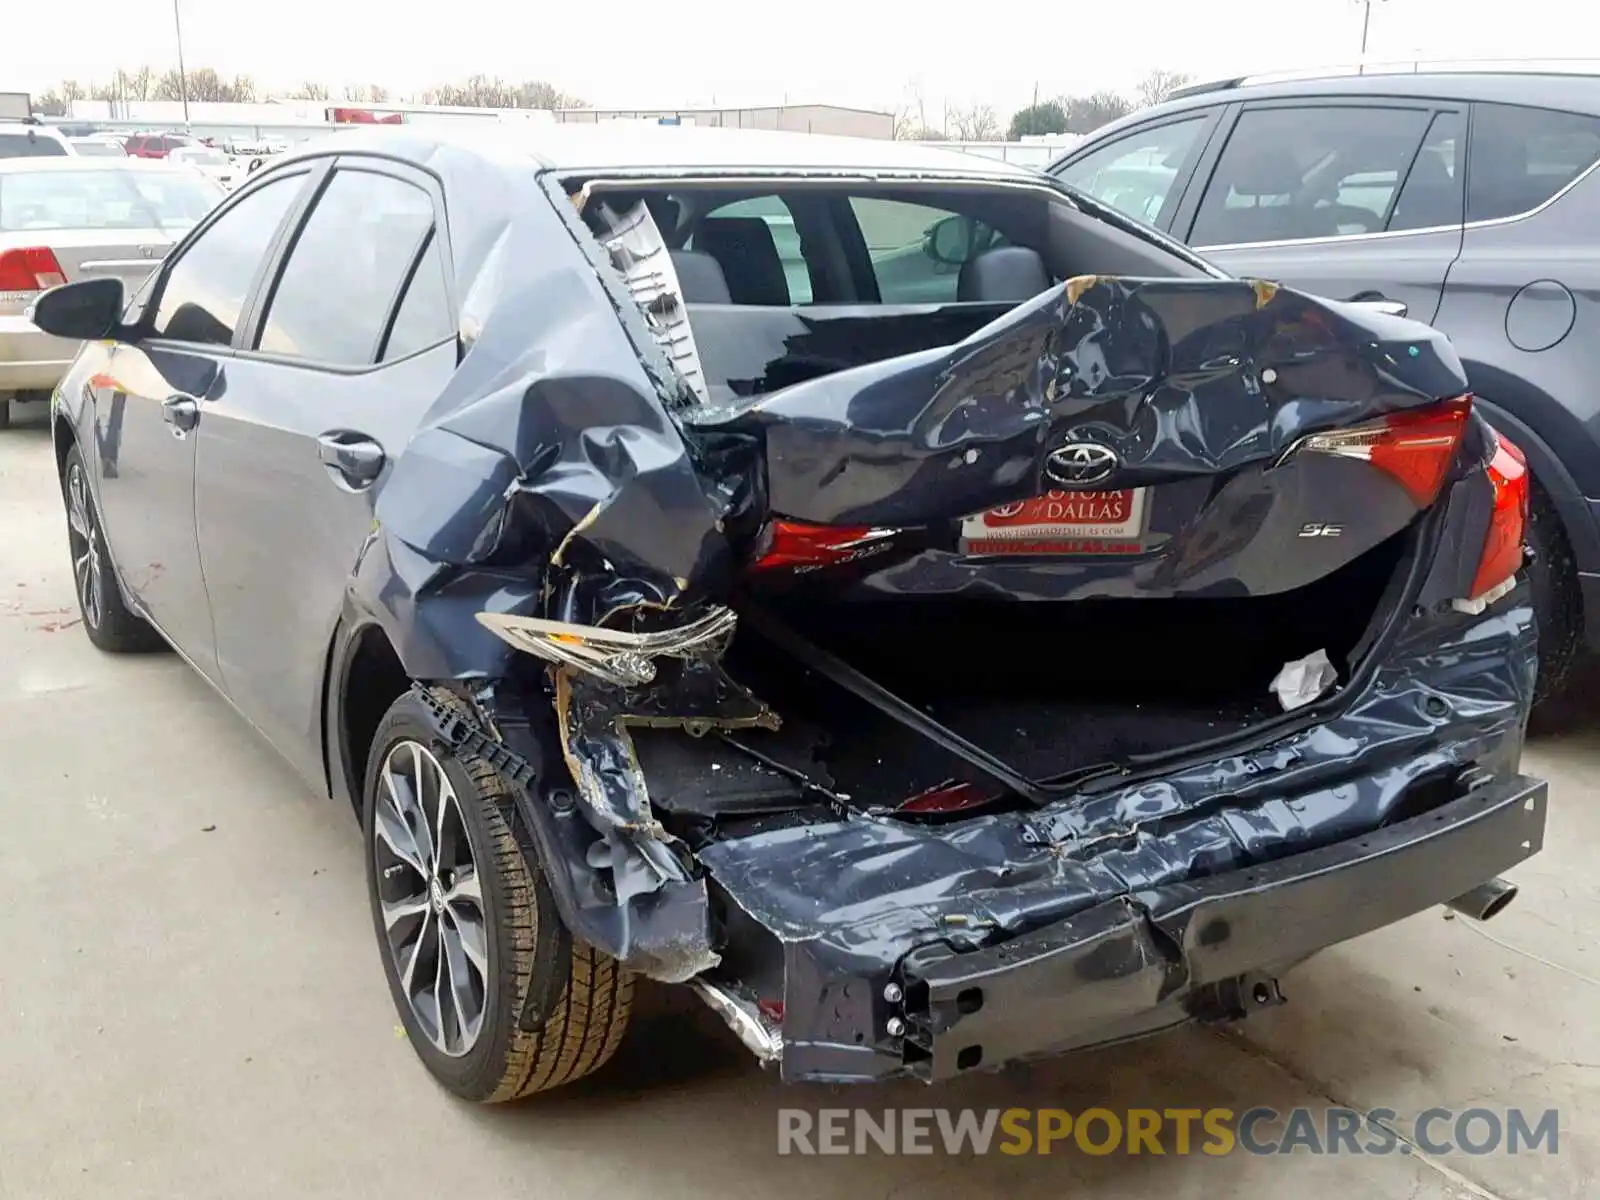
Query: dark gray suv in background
(1468, 197)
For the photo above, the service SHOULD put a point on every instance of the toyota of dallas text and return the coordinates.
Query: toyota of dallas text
(935, 618)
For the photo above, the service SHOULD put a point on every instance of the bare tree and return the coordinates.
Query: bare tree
(310, 91)
(368, 93)
(1158, 85)
(51, 104)
(203, 85)
(1085, 114)
(974, 122)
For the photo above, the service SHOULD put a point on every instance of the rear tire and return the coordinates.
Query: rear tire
(507, 925)
(111, 625)
(1557, 598)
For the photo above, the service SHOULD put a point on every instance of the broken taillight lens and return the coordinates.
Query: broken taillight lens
(1508, 524)
(799, 545)
(947, 798)
(1415, 447)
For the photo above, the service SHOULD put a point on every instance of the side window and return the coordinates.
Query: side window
(205, 291)
(1431, 195)
(424, 316)
(735, 236)
(1293, 173)
(1136, 174)
(345, 269)
(899, 236)
(1521, 157)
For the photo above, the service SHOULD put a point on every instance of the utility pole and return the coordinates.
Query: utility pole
(183, 79)
(1366, 26)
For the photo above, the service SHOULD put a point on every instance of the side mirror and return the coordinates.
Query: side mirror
(82, 311)
(949, 240)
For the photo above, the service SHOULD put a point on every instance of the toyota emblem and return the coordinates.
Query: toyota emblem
(1078, 464)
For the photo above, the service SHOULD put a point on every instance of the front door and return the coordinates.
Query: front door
(347, 349)
(147, 409)
(1341, 199)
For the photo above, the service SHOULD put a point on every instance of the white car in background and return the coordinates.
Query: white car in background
(210, 162)
(70, 217)
(26, 139)
(97, 146)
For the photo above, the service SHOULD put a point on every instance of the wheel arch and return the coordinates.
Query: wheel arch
(364, 676)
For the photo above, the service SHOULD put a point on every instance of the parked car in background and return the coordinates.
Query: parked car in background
(24, 139)
(72, 218)
(98, 147)
(212, 163)
(1045, 641)
(155, 145)
(1470, 197)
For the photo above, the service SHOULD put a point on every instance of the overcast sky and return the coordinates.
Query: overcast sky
(622, 53)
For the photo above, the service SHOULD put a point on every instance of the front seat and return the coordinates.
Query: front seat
(749, 258)
(1004, 275)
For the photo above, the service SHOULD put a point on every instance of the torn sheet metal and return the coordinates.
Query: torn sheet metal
(847, 901)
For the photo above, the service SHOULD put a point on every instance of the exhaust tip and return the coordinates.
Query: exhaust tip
(1486, 900)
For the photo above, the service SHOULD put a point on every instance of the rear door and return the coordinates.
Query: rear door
(346, 348)
(1347, 199)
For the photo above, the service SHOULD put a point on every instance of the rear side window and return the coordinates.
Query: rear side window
(1521, 157)
(1137, 173)
(423, 319)
(30, 145)
(206, 288)
(1323, 171)
(1431, 195)
(345, 269)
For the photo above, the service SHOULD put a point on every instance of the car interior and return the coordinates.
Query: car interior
(995, 248)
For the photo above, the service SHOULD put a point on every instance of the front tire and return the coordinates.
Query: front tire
(467, 925)
(111, 625)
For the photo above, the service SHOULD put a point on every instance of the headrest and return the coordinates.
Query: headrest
(1005, 274)
(1265, 171)
(700, 278)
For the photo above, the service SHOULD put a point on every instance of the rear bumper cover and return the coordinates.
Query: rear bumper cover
(31, 359)
(1155, 959)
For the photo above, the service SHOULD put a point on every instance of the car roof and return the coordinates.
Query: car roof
(13, 166)
(625, 146)
(1570, 91)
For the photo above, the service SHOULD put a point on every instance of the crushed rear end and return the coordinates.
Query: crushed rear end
(996, 698)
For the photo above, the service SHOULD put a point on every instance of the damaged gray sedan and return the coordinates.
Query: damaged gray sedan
(938, 620)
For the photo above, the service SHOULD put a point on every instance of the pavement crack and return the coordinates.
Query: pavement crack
(1531, 956)
(1471, 1186)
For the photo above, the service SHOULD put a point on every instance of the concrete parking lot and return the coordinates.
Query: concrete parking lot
(192, 1004)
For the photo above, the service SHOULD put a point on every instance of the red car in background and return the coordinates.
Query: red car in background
(154, 145)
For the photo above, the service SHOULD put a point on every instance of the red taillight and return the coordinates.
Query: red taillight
(32, 269)
(1414, 447)
(799, 545)
(947, 798)
(1508, 523)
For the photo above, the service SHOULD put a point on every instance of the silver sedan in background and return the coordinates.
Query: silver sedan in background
(69, 218)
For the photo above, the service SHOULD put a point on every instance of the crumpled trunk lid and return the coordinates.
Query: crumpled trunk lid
(1111, 437)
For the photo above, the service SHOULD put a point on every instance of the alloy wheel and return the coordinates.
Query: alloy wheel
(83, 539)
(430, 895)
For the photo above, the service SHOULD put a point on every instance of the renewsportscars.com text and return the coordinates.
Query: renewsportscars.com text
(1178, 1131)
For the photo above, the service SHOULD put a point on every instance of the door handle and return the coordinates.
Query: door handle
(181, 412)
(357, 458)
(1378, 302)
